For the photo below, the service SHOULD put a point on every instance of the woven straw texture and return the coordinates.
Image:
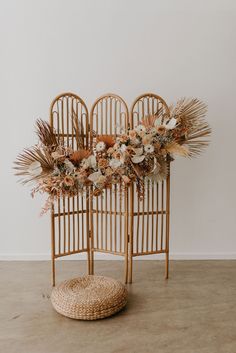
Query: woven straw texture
(89, 297)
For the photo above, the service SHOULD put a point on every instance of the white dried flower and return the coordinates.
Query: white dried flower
(69, 166)
(123, 148)
(115, 163)
(100, 146)
(140, 128)
(35, 169)
(153, 131)
(94, 176)
(170, 124)
(148, 148)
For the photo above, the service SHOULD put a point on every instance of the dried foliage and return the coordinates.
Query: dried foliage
(131, 157)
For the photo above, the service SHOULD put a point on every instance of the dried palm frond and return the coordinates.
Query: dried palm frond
(77, 156)
(46, 134)
(189, 109)
(29, 156)
(79, 130)
(175, 148)
(107, 139)
(160, 170)
(190, 114)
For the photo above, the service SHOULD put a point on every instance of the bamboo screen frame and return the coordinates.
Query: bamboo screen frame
(118, 222)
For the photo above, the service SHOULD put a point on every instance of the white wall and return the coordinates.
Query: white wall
(173, 48)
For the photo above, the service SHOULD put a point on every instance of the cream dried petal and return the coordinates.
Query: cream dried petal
(138, 151)
(35, 168)
(171, 124)
(137, 159)
(94, 176)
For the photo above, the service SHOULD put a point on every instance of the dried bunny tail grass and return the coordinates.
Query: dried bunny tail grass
(46, 134)
(78, 129)
(107, 139)
(30, 155)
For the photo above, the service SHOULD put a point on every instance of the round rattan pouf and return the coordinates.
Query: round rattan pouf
(89, 297)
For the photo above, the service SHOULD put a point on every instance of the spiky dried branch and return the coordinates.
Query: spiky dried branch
(46, 134)
(79, 130)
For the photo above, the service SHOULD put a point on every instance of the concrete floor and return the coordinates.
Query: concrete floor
(193, 312)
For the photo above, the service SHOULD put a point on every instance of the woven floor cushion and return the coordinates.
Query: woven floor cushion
(89, 297)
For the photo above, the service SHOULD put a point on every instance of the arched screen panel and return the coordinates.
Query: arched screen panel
(149, 225)
(70, 215)
(109, 213)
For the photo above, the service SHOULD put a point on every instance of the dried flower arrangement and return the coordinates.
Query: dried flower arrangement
(133, 156)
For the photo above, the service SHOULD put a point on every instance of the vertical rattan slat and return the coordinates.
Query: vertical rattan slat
(149, 219)
(109, 218)
(70, 216)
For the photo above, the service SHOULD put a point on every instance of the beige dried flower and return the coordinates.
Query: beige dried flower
(102, 163)
(109, 171)
(124, 138)
(147, 139)
(161, 130)
(68, 181)
(126, 179)
(132, 134)
(110, 150)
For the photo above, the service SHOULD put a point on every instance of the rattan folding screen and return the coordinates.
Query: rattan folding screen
(117, 222)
